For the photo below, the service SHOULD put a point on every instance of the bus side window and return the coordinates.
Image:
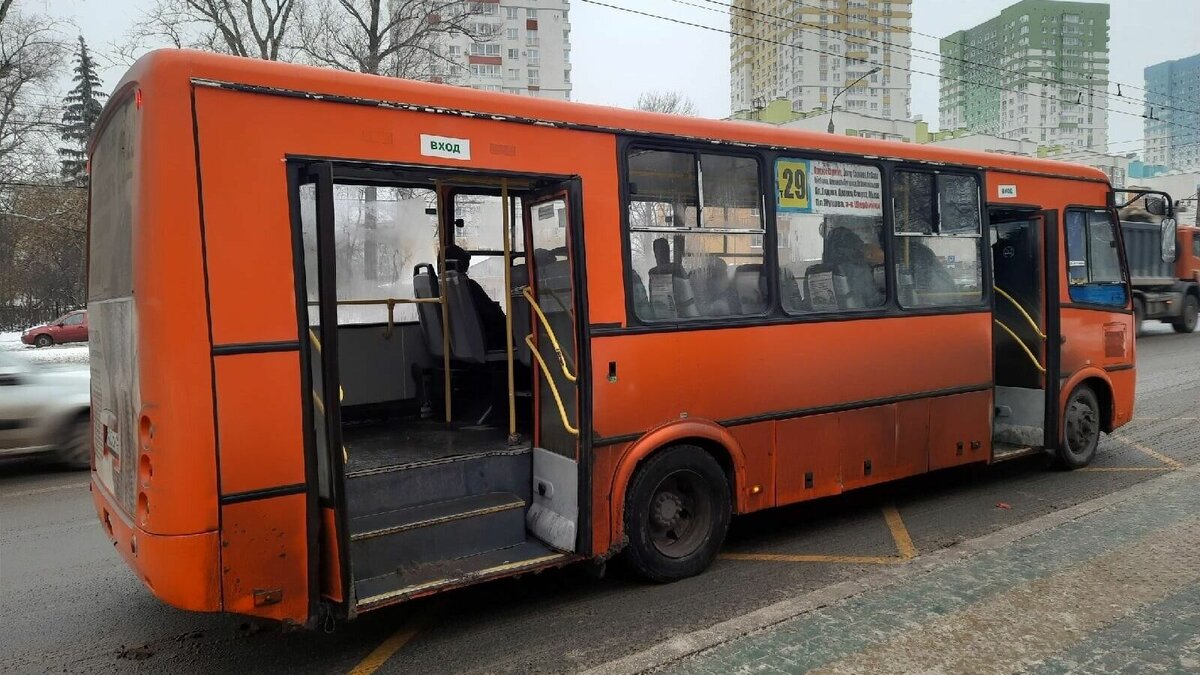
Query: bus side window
(938, 228)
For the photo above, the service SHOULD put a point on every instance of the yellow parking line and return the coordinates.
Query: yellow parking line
(904, 547)
(904, 543)
(387, 649)
(1174, 464)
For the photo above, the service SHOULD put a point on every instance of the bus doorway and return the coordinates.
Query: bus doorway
(1025, 330)
(441, 358)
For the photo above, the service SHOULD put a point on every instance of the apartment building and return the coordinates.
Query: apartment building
(528, 50)
(1038, 71)
(821, 53)
(1173, 113)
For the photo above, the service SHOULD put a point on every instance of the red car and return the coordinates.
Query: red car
(70, 327)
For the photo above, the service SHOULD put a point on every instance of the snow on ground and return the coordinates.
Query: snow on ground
(75, 353)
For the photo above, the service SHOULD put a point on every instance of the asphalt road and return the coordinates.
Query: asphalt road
(70, 605)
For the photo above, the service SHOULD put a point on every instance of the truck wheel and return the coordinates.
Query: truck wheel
(1139, 315)
(1081, 429)
(1186, 322)
(676, 513)
(43, 340)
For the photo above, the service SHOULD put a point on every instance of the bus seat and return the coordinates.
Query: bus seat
(641, 302)
(429, 315)
(789, 288)
(671, 296)
(751, 286)
(466, 330)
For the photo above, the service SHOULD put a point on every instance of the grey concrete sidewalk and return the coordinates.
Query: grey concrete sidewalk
(1110, 585)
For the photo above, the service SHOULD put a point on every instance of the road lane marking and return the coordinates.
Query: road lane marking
(1174, 464)
(387, 648)
(904, 543)
(904, 548)
(39, 491)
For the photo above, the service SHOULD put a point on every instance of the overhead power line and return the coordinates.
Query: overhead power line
(693, 24)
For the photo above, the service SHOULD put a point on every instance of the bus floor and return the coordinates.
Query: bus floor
(375, 444)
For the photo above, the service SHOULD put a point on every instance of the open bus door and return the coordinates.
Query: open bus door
(1026, 331)
(553, 352)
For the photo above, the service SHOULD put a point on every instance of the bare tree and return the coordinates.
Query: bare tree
(398, 38)
(31, 53)
(672, 102)
(257, 29)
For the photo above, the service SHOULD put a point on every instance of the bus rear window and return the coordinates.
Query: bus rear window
(110, 273)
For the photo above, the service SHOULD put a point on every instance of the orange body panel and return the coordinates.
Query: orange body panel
(259, 420)
(807, 445)
(264, 558)
(182, 570)
(960, 429)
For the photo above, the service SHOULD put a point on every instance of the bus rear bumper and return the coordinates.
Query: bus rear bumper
(181, 570)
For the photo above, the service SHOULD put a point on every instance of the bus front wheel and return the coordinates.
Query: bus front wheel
(1081, 429)
(677, 509)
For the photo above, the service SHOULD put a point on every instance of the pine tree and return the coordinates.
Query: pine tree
(82, 108)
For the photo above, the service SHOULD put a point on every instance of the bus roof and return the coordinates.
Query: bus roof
(190, 64)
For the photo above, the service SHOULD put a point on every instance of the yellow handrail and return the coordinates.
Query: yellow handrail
(1020, 342)
(1032, 323)
(549, 332)
(562, 410)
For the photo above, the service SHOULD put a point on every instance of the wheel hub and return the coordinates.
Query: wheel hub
(667, 509)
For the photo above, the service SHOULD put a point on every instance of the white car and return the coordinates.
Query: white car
(44, 411)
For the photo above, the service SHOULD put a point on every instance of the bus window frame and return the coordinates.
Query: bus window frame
(983, 235)
(775, 315)
(1111, 212)
(628, 144)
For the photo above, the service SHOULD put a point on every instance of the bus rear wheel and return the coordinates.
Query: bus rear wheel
(1081, 429)
(677, 510)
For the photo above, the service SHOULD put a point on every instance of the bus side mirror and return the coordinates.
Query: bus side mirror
(1156, 206)
(1168, 239)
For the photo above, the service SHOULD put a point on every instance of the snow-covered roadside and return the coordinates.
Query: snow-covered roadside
(69, 354)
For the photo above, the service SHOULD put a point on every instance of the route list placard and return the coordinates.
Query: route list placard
(812, 186)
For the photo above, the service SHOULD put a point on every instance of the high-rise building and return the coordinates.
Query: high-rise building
(529, 51)
(810, 51)
(1038, 72)
(1172, 126)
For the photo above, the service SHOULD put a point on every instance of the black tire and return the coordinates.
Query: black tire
(75, 449)
(677, 510)
(1186, 323)
(1139, 315)
(43, 340)
(1081, 429)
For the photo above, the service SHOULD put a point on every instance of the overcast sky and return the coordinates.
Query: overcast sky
(615, 55)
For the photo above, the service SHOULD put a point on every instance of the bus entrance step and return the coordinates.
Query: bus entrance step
(406, 538)
(1003, 451)
(388, 589)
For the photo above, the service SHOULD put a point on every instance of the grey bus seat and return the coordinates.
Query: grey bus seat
(466, 330)
(429, 315)
(751, 285)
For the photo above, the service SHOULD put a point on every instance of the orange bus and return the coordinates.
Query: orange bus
(357, 340)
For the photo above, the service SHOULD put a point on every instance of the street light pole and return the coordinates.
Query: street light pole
(848, 87)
